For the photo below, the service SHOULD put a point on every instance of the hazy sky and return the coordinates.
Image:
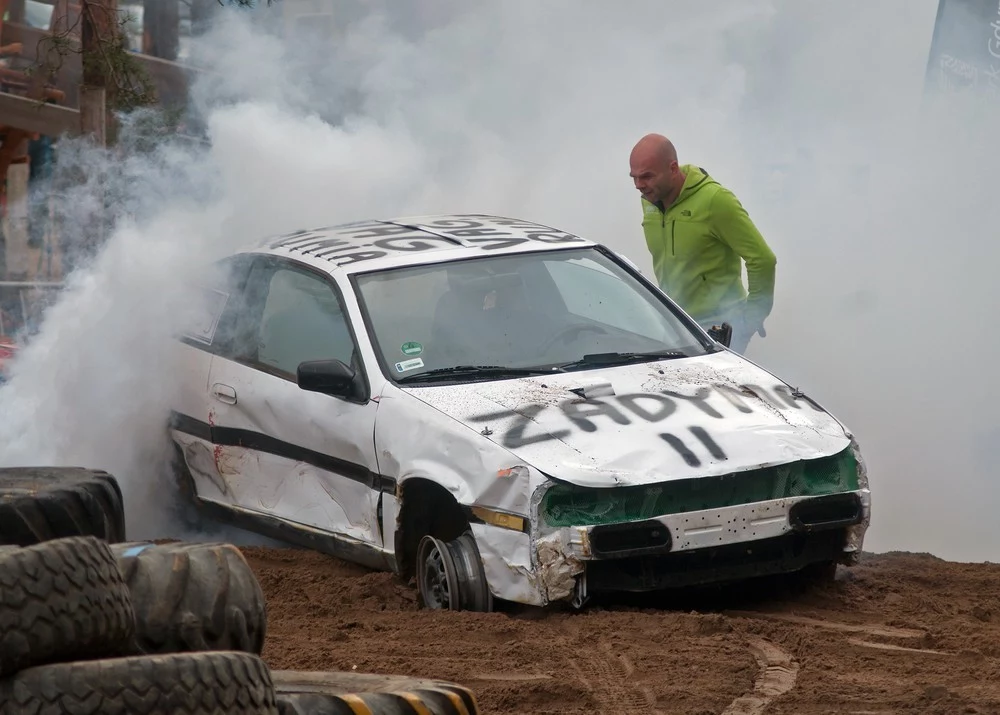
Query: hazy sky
(881, 209)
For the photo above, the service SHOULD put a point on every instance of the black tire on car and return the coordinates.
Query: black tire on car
(332, 693)
(180, 684)
(193, 597)
(43, 503)
(450, 575)
(61, 600)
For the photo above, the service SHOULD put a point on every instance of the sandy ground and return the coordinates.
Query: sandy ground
(900, 633)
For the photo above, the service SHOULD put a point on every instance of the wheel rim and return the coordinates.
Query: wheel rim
(437, 580)
(474, 591)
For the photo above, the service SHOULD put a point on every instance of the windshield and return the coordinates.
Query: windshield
(532, 310)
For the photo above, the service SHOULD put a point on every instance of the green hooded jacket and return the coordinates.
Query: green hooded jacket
(696, 246)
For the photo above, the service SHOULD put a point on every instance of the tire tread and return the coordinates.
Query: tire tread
(192, 597)
(60, 600)
(44, 503)
(180, 684)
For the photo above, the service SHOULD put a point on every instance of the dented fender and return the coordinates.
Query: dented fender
(856, 534)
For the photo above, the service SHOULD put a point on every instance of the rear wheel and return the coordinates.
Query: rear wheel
(450, 575)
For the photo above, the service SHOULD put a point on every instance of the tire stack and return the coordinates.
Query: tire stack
(92, 623)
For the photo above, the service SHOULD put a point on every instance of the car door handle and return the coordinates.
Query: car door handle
(224, 393)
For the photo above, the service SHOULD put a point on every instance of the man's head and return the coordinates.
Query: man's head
(654, 169)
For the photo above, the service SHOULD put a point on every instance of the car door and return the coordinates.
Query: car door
(209, 299)
(303, 457)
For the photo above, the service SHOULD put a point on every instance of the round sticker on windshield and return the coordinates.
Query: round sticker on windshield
(411, 348)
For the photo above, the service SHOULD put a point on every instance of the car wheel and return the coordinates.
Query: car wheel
(450, 575)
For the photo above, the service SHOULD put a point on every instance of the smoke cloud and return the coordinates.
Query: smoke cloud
(876, 200)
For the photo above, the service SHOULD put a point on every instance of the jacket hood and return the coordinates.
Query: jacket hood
(695, 180)
(641, 424)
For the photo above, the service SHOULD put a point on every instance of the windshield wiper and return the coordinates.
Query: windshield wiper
(622, 358)
(479, 371)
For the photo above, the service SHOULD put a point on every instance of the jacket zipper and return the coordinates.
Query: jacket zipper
(663, 225)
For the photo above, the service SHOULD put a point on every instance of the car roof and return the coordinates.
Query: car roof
(388, 243)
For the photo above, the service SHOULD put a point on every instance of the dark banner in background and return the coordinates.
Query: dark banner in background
(965, 48)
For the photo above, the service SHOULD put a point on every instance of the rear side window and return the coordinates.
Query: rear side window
(208, 313)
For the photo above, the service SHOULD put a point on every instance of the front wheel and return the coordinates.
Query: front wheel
(450, 575)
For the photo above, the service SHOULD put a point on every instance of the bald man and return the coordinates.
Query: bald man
(698, 235)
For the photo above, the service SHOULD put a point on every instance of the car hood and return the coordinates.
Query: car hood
(644, 423)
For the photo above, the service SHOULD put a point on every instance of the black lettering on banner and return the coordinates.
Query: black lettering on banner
(322, 244)
(349, 228)
(495, 243)
(404, 243)
(515, 437)
(784, 394)
(682, 449)
(297, 240)
(451, 223)
(331, 251)
(777, 401)
(579, 413)
(699, 400)
(710, 444)
(359, 256)
(291, 234)
(379, 231)
(344, 227)
(663, 406)
(689, 457)
(735, 398)
(792, 398)
(552, 237)
(517, 224)
(468, 232)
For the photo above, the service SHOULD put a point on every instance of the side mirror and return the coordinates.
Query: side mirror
(331, 377)
(722, 333)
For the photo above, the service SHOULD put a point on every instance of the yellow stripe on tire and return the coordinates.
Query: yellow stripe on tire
(456, 702)
(415, 702)
(356, 704)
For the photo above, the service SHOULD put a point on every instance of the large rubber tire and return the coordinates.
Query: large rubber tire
(43, 503)
(332, 693)
(181, 683)
(61, 600)
(193, 597)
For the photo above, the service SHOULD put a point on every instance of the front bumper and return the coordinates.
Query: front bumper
(678, 550)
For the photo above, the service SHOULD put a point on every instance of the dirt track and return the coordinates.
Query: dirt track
(902, 633)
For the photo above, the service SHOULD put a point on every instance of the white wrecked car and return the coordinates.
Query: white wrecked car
(504, 410)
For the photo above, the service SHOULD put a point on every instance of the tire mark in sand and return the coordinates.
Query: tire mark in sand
(870, 629)
(608, 678)
(778, 671)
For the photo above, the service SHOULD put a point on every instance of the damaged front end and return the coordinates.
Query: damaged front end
(689, 532)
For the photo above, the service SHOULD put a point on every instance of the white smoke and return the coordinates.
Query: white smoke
(877, 205)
